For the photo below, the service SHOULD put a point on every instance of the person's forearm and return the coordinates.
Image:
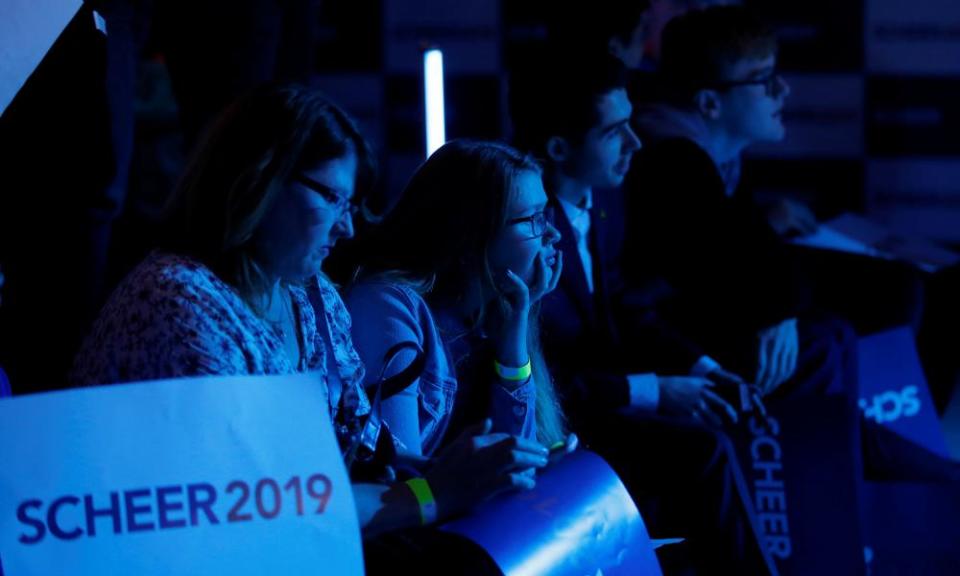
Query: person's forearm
(645, 390)
(381, 508)
(596, 389)
(512, 345)
(513, 407)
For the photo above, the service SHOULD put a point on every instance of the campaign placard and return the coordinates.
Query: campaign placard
(27, 31)
(227, 475)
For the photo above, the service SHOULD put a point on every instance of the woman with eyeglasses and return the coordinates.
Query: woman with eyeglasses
(457, 269)
(237, 289)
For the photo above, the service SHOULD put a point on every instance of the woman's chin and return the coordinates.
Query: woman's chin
(311, 266)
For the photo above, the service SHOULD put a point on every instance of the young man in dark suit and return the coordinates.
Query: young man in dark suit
(640, 395)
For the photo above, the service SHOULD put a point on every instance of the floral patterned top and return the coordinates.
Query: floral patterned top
(173, 317)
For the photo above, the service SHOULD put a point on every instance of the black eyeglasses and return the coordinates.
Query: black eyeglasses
(536, 223)
(340, 203)
(772, 83)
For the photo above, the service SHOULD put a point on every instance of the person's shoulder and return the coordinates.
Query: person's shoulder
(385, 291)
(184, 271)
(674, 164)
(666, 151)
(171, 273)
(385, 303)
(167, 318)
(173, 285)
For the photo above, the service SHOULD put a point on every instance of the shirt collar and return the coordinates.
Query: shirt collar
(572, 209)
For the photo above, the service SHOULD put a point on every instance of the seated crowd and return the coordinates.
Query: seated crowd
(601, 281)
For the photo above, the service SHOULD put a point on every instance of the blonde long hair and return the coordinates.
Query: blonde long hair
(436, 239)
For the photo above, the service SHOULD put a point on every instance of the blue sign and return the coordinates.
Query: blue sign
(800, 465)
(578, 520)
(893, 390)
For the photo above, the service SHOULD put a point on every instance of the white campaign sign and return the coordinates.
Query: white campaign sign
(235, 475)
(27, 30)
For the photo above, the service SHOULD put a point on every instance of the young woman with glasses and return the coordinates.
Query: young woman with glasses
(457, 268)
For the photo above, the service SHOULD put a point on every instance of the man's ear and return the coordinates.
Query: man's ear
(707, 103)
(558, 149)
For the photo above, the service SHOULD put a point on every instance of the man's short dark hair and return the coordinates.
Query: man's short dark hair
(700, 47)
(560, 97)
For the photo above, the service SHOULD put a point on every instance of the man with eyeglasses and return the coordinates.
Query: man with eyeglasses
(574, 114)
(735, 287)
(733, 283)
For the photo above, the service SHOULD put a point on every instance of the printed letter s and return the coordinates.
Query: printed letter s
(37, 525)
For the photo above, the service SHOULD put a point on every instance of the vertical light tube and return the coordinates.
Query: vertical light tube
(433, 99)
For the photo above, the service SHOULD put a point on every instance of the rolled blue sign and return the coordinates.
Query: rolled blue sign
(579, 520)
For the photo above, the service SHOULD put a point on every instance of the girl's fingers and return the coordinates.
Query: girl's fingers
(515, 289)
(557, 270)
(541, 275)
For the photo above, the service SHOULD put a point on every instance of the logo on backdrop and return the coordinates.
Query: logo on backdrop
(891, 405)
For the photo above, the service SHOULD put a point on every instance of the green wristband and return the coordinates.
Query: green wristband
(513, 374)
(424, 495)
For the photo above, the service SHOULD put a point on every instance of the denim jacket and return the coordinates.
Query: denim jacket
(386, 313)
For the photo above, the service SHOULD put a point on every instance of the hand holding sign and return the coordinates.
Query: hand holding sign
(479, 465)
